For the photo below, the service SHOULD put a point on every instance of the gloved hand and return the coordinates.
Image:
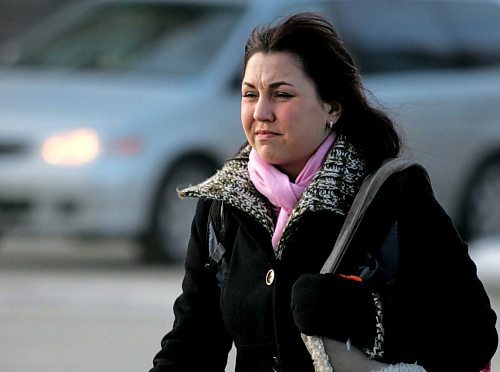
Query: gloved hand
(334, 306)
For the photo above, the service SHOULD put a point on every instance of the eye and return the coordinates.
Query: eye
(249, 94)
(283, 95)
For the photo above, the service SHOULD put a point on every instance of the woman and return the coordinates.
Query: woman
(312, 138)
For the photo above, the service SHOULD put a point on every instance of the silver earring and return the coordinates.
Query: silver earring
(329, 125)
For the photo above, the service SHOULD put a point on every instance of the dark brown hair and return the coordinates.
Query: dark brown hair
(325, 60)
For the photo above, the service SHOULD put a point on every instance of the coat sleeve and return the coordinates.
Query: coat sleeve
(439, 314)
(198, 340)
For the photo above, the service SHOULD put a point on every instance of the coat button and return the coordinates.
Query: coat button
(270, 277)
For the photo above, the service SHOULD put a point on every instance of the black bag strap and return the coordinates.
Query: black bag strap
(364, 197)
(218, 261)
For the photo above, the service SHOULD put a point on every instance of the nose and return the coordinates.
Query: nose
(263, 110)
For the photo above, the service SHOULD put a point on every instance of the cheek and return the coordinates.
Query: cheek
(307, 127)
(295, 120)
(246, 117)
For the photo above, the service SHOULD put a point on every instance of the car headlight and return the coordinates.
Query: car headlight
(73, 148)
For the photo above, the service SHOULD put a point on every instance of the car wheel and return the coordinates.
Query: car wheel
(170, 226)
(481, 213)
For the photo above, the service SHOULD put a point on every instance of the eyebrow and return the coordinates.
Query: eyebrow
(272, 85)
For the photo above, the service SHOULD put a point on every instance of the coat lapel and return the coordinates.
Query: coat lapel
(332, 189)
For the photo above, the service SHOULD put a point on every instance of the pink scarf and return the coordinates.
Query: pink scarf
(276, 186)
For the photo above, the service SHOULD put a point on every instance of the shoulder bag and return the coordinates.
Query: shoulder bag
(330, 355)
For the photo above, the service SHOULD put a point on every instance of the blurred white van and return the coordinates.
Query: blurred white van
(110, 105)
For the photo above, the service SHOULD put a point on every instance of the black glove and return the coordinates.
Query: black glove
(333, 306)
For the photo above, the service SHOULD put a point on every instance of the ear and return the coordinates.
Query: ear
(335, 110)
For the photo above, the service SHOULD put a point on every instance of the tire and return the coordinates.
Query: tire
(481, 212)
(170, 226)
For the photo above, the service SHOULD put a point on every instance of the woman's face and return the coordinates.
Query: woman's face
(282, 115)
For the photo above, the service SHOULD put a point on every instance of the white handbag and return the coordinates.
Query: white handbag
(330, 355)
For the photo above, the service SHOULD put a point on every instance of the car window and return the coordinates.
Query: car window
(392, 35)
(169, 38)
(476, 30)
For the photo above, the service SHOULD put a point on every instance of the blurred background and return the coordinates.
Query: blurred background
(107, 107)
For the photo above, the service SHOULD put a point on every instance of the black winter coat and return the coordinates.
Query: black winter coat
(436, 311)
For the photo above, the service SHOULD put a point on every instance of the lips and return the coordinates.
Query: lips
(266, 134)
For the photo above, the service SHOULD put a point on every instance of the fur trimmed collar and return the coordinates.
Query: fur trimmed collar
(332, 189)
